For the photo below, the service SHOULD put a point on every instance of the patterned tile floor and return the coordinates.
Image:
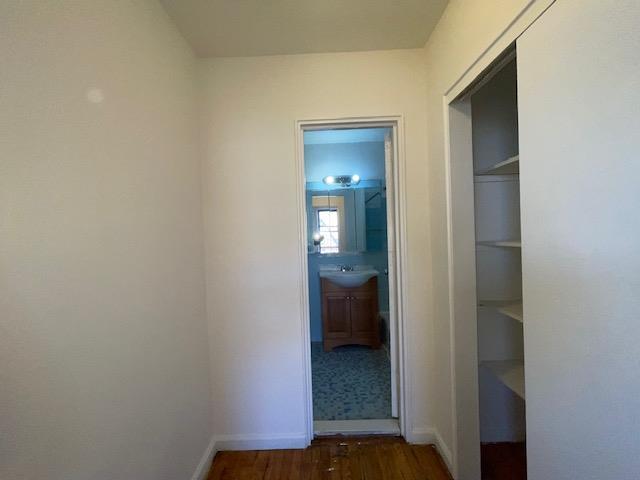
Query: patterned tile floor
(350, 383)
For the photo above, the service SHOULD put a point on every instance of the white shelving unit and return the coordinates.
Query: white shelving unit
(509, 372)
(496, 171)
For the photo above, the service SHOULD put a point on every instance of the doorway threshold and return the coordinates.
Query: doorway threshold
(385, 426)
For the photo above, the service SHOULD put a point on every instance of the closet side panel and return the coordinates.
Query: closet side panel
(579, 118)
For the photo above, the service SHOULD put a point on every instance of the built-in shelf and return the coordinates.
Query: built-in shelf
(502, 243)
(509, 372)
(510, 166)
(510, 308)
(513, 310)
(495, 303)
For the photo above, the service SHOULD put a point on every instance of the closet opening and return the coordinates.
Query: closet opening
(487, 312)
(494, 121)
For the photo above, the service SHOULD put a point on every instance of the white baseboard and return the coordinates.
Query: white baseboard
(421, 436)
(261, 442)
(202, 470)
(431, 436)
(296, 441)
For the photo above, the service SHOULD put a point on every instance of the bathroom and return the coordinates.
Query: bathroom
(348, 276)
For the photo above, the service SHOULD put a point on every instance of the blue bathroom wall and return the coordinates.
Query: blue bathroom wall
(364, 158)
(378, 259)
(376, 219)
(345, 135)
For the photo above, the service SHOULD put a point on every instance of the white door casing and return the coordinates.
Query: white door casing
(397, 256)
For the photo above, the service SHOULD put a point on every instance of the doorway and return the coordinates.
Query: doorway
(351, 254)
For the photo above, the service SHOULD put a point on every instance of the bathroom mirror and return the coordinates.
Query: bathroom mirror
(346, 220)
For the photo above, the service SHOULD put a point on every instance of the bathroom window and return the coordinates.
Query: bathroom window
(329, 227)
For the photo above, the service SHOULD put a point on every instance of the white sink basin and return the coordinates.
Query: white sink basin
(350, 279)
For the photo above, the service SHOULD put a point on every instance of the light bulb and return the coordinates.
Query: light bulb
(317, 238)
(355, 178)
(329, 180)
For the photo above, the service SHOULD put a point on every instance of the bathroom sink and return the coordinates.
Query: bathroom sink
(349, 279)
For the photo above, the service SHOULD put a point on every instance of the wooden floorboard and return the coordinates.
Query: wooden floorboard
(335, 458)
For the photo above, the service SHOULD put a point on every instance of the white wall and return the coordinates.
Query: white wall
(467, 28)
(103, 340)
(253, 266)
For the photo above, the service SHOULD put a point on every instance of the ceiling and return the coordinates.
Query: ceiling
(230, 28)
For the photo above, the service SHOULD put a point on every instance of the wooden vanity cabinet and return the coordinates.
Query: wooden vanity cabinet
(350, 315)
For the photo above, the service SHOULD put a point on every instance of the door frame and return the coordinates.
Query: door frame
(396, 223)
(458, 158)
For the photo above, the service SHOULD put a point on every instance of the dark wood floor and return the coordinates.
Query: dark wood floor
(504, 461)
(345, 458)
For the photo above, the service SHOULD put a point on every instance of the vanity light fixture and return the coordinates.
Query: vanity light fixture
(345, 180)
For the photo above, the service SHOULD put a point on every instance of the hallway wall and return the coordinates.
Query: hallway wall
(103, 342)
(253, 264)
